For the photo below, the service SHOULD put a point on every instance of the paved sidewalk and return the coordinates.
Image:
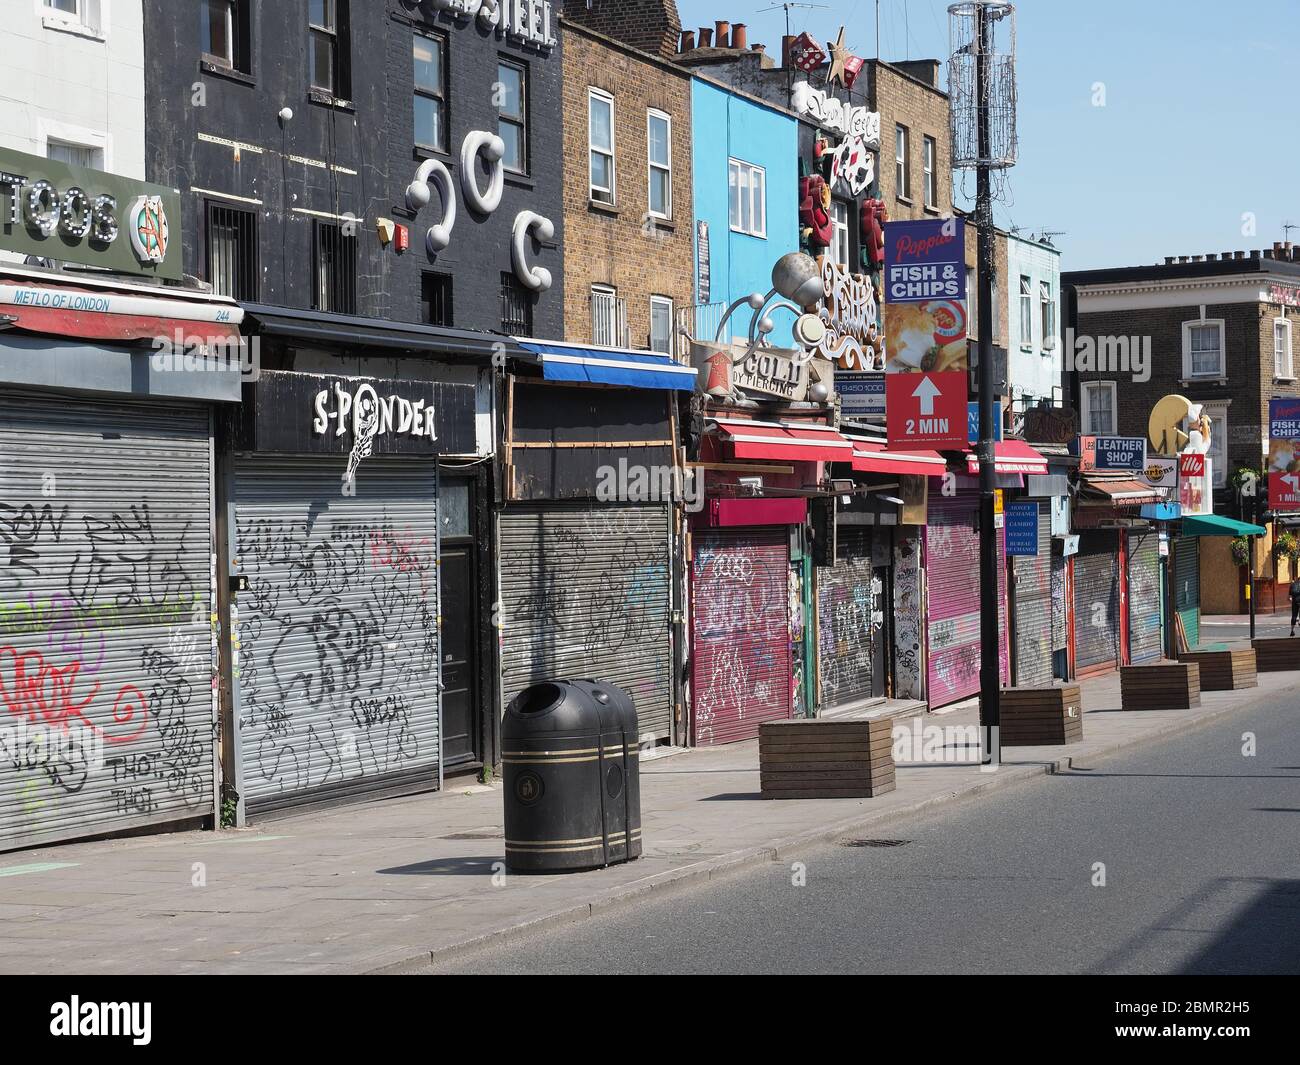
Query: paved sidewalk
(384, 885)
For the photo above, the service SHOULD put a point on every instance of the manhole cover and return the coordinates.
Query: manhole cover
(874, 842)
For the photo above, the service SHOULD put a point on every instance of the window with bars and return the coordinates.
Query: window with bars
(435, 295)
(608, 317)
(232, 252)
(335, 261)
(516, 306)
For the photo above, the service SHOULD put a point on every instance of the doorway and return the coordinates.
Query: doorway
(462, 705)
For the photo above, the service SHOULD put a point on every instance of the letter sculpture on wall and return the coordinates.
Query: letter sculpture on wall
(493, 149)
(852, 161)
(537, 278)
(417, 196)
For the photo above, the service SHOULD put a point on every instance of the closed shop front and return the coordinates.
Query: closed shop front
(1032, 616)
(1097, 603)
(952, 565)
(1145, 603)
(334, 548)
(106, 643)
(586, 592)
(850, 619)
(1187, 588)
(740, 632)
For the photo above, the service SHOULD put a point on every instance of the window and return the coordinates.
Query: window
(1203, 348)
(931, 175)
(902, 172)
(68, 7)
(335, 257)
(1283, 368)
(327, 51)
(232, 252)
(1218, 453)
(608, 321)
(217, 32)
(428, 54)
(435, 296)
(659, 149)
(85, 12)
(516, 307)
(1098, 408)
(747, 186)
(600, 142)
(661, 324)
(1026, 312)
(840, 232)
(512, 115)
(75, 154)
(1047, 315)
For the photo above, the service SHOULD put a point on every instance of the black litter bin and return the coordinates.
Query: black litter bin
(572, 779)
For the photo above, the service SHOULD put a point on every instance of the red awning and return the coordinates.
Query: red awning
(871, 456)
(1121, 493)
(1010, 456)
(785, 441)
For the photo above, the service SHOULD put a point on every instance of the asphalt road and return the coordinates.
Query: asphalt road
(1201, 852)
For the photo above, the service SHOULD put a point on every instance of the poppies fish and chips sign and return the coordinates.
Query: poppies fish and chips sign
(925, 312)
(1284, 454)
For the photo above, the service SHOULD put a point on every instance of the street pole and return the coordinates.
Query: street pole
(1250, 585)
(990, 673)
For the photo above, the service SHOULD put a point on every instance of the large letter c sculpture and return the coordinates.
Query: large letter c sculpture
(537, 278)
(417, 196)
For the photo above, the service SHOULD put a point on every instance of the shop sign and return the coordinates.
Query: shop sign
(1120, 453)
(861, 394)
(973, 423)
(1286, 295)
(54, 210)
(1160, 472)
(781, 373)
(1050, 425)
(1284, 454)
(1022, 529)
(702, 260)
(925, 261)
(529, 22)
(852, 338)
(1195, 494)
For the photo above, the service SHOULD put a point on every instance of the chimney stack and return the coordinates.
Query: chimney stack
(1170, 260)
(706, 37)
(787, 42)
(688, 41)
(722, 33)
(739, 36)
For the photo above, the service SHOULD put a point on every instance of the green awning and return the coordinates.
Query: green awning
(1213, 525)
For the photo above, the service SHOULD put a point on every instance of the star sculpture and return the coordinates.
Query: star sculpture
(839, 56)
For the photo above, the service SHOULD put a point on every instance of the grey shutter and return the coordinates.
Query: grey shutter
(1187, 587)
(1096, 602)
(105, 616)
(337, 668)
(1144, 602)
(585, 592)
(846, 628)
(1032, 586)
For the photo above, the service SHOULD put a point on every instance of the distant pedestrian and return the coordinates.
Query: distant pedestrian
(1295, 603)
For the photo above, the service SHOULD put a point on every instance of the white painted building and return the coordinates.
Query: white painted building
(1034, 352)
(72, 82)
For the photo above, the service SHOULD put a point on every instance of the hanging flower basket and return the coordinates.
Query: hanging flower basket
(1241, 551)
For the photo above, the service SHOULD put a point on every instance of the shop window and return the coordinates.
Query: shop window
(435, 296)
(512, 114)
(429, 56)
(335, 260)
(232, 252)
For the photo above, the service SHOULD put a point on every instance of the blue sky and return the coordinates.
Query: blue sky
(1198, 129)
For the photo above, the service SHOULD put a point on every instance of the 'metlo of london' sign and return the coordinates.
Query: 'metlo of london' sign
(53, 210)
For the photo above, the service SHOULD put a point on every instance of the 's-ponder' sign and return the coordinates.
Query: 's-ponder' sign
(1127, 453)
(1284, 454)
(925, 261)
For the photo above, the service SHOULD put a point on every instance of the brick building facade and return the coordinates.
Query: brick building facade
(628, 255)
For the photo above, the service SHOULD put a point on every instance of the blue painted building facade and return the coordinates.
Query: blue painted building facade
(745, 172)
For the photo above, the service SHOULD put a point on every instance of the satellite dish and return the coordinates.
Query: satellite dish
(1164, 430)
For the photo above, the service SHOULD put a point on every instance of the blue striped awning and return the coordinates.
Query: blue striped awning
(610, 366)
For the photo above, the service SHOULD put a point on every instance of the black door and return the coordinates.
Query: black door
(462, 723)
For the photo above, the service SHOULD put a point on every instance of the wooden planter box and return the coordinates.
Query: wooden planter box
(1280, 654)
(825, 759)
(1164, 686)
(1033, 717)
(1224, 670)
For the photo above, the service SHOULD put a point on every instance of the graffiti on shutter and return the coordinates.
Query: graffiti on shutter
(1033, 607)
(1096, 600)
(909, 666)
(847, 626)
(1144, 597)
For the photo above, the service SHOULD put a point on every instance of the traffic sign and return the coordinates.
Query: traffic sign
(926, 410)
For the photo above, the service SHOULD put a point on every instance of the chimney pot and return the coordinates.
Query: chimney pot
(722, 33)
(1268, 253)
(1295, 254)
(688, 41)
(760, 48)
(706, 37)
(739, 36)
(1238, 254)
(1170, 259)
(787, 42)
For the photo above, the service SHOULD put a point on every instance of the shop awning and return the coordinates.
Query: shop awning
(1121, 493)
(871, 456)
(788, 441)
(610, 366)
(1010, 456)
(1213, 525)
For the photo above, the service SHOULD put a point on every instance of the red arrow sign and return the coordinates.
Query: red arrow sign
(926, 410)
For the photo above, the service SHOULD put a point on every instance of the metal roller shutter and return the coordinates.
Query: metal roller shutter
(105, 617)
(585, 592)
(1187, 587)
(337, 672)
(846, 628)
(1096, 602)
(1032, 586)
(740, 642)
(1144, 597)
(952, 569)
